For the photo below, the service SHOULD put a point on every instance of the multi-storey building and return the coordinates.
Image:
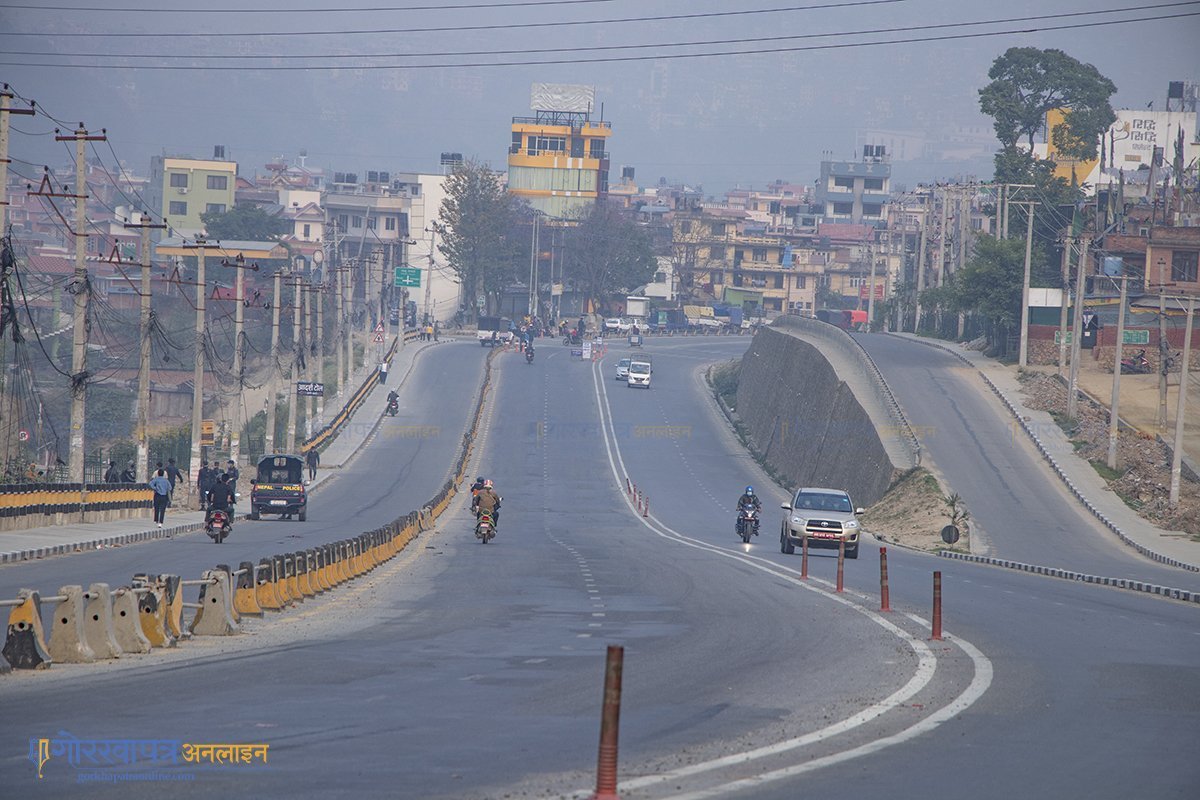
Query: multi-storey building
(855, 191)
(558, 159)
(182, 188)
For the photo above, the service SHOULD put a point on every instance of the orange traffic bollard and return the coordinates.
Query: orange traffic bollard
(937, 607)
(804, 558)
(884, 597)
(646, 508)
(610, 718)
(841, 575)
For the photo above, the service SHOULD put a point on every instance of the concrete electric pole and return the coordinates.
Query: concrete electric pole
(1077, 332)
(273, 366)
(1115, 404)
(1023, 355)
(200, 244)
(239, 350)
(1181, 407)
(143, 395)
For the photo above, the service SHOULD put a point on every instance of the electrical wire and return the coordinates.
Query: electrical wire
(342, 10)
(622, 59)
(462, 28)
(604, 48)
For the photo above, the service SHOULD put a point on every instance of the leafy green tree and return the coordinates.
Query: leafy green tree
(1027, 82)
(608, 253)
(478, 218)
(989, 284)
(246, 223)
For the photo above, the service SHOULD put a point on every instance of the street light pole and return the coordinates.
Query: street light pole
(1114, 405)
(1177, 451)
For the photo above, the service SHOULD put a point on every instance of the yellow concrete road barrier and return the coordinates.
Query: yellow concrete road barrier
(233, 612)
(302, 580)
(25, 642)
(127, 623)
(264, 586)
(322, 573)
(152, 606)
(215, 615)
(68, 642)
(98, 622)
(281, 581)
(173, 606)
(293, 581)
(245, 595)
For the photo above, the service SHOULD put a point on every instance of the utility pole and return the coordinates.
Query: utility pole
(941, 254)
(433, 230)
(308, 366)
(273, 366)
(1077, 332)
(338, 330)
(321, 350)
(1164, 349)
(6, 97)
(1023, 356)
(1115, 404)
(1004, 187)
(143, 395)
(925, 211)
(1177, 452)
(1064, 303)
(81, 289)
(533, 248)
(871, 289)
(199, 244)
(239, 347)
(348, 325)
(297, 355)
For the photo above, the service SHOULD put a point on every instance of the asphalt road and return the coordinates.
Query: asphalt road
(404, 466)
(463, 670)
(1021, 505)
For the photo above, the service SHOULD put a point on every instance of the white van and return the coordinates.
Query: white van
(640, 369)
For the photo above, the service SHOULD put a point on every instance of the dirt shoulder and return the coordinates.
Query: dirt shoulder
(912, 514)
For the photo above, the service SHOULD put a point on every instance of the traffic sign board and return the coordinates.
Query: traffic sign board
(408, 276)
(379, 328)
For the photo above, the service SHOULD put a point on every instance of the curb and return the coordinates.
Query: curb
(1079, 577)
(1058, 470)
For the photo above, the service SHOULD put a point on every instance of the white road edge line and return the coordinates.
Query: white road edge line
(926, 664)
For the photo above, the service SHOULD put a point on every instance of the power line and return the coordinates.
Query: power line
(595, 48)
(457, 6)
(621, 59)
(460, 28)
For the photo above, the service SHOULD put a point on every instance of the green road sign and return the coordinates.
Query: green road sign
(408, 276)
(1058, 337)
(1136, 337)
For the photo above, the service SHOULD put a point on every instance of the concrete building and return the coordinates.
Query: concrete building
(182, 188)
(558, 159)
(855, 192)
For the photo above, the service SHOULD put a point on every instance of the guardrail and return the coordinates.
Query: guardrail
(100, 623)
(27, 504)
(331, 430)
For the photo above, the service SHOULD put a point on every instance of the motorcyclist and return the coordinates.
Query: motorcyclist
(220, 497)
(749, 498)
(393, 400)
(488, 502)
(475, 487)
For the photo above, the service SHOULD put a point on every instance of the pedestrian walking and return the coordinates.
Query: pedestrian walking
(232, 471)
(173, 474)
(204, 481)
(130, 474)
(383, 371)
(162, 495)
(429, 333)
(112, 474)
(313, 459)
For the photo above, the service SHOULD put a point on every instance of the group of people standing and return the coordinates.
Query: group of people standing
(429, 332)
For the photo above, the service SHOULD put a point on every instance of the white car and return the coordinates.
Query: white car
(623, 369)
(617, 325)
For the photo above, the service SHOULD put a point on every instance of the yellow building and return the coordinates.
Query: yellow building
(558, 159)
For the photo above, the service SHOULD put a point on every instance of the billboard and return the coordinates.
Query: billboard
(562, 97)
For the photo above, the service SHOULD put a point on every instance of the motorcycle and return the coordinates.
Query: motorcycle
(572, 339)
(393, 408)
(747, 522)
(1137, 364)
(485, 528)
(528, 355)
(218, 525)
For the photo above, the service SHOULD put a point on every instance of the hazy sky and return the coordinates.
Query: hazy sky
(717, 121)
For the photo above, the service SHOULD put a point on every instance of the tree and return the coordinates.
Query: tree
(1028, 82)
(478, 216)
(990, 284)
(607, 252)
(245, 223)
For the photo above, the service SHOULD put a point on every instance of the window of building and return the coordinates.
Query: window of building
(177, 208)
(214, 208)
(685, 226)
(716, 277)
(857, 282)
(660, 277)
(597, 148)
(219, 182)
(547, 144)
(758, 254)
(356, 221)
(179, 180)
(577, 147)
(371, 221)
(778, 281)
(343, 221)
(1183, 266)
(873, 184)
(516, 143)
(718, 229)
(872, 210)
(307, 231)
(389, 223)
(843, 209)
(738, 256)
(801, 281)
(843, 183)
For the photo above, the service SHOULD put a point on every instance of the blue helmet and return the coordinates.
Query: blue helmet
(749, 490)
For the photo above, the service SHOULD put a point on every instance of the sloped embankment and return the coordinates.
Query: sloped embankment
(807, 424)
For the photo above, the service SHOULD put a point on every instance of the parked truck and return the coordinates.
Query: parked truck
(494, 330)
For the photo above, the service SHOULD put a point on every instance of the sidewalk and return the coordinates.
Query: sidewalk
(1168, 547)
(51, 540)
